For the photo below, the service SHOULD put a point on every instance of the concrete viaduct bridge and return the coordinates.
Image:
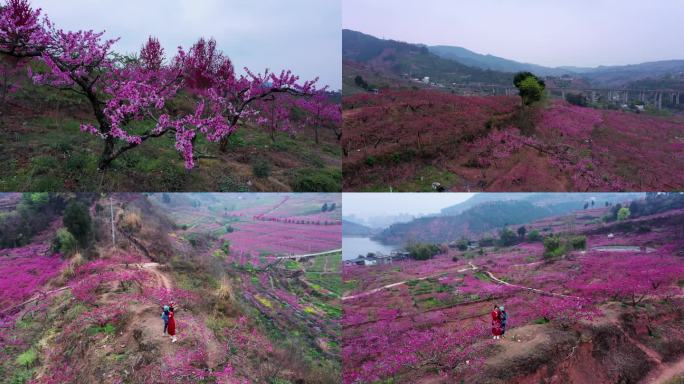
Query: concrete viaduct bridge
(653, 97)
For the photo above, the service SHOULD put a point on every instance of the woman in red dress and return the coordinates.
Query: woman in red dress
(171, 329)
(496, 323)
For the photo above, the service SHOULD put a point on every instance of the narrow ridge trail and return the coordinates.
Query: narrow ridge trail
(145, 327)
(665, 372)
(388, 286)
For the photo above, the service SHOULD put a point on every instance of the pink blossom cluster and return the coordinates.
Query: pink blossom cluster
(571, 121)
(123, 92)
(21, 28)
(25, 271)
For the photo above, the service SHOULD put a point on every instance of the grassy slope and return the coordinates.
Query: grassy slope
(43, 149)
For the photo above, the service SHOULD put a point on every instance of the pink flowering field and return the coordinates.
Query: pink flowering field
(435, 321)
(401, 138)
(267, 227)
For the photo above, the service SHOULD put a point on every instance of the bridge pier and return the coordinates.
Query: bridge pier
(659, 102)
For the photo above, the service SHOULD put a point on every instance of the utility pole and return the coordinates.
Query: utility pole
(111, 210)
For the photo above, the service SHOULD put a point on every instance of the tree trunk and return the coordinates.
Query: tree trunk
(223, 144)
(107, 153)
(108, 149)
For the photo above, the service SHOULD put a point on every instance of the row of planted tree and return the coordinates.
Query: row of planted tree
(123, 91)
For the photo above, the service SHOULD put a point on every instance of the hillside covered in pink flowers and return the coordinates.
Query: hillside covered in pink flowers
(85, 277)
(409, 139)
(592, 296)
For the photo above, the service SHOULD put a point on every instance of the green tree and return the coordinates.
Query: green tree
(522, 231)
(507, 237)
(225, 247)
(462, 245)
(623, 213)
(533, 235)
(77, 221)
(36, 199)
(578, 242)
(422, 251)
(359, 81)
(64, 242)
(553, 247)
(530, 87)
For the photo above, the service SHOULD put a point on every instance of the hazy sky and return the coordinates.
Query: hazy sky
(302, 35)
(367, 205)
(545, 32)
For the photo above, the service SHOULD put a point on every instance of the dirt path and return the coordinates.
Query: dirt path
(665, 372)
(491, 276)
(388, 286)
(161, 278)
(472, 267)
(145, 328)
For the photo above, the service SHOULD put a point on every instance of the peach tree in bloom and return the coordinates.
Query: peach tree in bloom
(123, 91)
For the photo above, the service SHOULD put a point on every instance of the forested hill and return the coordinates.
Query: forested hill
(350, 228)
(474, 221)
(541, 199)
(474, 59)
(413, 61)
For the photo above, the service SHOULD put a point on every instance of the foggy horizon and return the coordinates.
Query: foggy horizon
(370, 205)
(580, 33)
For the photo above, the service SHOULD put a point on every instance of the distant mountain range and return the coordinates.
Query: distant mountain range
(495, 63)
(491, 211)
(538, 199)
(350, 228)
(453, 64)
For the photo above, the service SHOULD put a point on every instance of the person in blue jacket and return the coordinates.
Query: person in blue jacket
(504, 319)
(165, 317)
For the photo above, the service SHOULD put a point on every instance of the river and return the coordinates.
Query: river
(355, 246)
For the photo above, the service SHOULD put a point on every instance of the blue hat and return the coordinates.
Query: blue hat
(501, 308)
(166, 308)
